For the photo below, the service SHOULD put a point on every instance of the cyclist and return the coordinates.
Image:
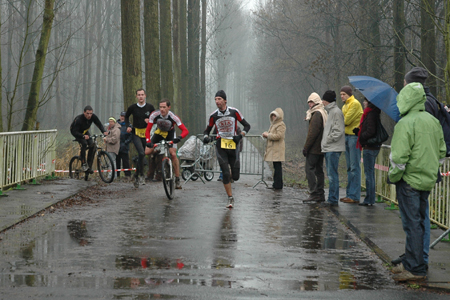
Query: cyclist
(165, 121)
(141, 112)
(80, 130)
(225, 119)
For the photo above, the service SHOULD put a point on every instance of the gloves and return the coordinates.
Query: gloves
(237, 138)
(176, 140)
(305, 152)
(356, 130)
(206, 139)
(150, 145)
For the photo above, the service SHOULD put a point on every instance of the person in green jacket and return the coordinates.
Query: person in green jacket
(417, 149)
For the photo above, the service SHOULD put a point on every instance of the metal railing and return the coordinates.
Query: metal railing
(26, 155)
(251, 157)
(439, 196)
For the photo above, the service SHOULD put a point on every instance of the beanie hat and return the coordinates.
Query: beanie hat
(329, 96)
(124, 113)
(346, 89)
(222, 94)
(112, 119)
(417, 74)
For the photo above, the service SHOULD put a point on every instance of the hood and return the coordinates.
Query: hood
(277, 112)
(411, 98)
(314, 97)
(116, 125)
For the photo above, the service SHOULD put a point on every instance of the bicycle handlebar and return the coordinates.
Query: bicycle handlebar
(163, 142)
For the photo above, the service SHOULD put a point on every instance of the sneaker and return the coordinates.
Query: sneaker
(328, 204)
(315, 198)
(408, 276)
(398, 260)
(230, 202)
(177, 183)
(141, 180)
(84, 167)
(90, 171)
(398, 269)
(219, 179)
(136, 181)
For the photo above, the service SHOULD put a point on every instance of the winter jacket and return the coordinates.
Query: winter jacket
(275, 140)
(352, 111)
(333, 139)
(368, 128)
(125, 138)
(315, 132)
(418, 142)
(112, 140)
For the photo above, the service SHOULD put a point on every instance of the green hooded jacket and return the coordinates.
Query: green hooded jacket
(417, 146)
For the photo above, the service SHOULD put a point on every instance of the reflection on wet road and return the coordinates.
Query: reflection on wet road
(139, 245)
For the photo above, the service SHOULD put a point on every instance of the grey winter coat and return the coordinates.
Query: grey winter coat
(333, 139)
(112, 140)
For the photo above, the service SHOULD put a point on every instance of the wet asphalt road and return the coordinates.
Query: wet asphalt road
(136, 244)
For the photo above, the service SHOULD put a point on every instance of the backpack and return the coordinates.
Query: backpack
(444, 119)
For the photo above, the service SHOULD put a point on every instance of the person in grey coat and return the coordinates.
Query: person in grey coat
(333, 144)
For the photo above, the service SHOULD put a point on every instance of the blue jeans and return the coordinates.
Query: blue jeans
(369, 157)
(353, 159)
(413, 206)
(426, 234)
(332, 162)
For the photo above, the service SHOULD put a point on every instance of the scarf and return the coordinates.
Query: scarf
(320, 108)
(367, 110)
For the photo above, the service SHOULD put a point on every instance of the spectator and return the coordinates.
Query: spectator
(317, 117)
(275, 146)
(123, 159)
(112, 140)
(352, 111)
(333, 144)
(416, 135)
(368, 129)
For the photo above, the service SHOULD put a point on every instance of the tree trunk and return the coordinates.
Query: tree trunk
(184, 85)
(447, 51)
(176, 106)
(201, 107)
(98, 88)
(151, 43)
(193, 60)
(86, 54)
(375, 39)
(33, 99)
(166, 49)
(1, 85)
(428, 42)
(131, 50)
(399, 42)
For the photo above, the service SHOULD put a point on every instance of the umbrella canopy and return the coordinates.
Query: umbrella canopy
(381, 94)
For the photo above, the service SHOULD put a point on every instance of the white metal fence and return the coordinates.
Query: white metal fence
(439, 196)
(26, 155)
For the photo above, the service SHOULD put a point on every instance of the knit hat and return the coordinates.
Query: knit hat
(329, 96)
(222, 94)
(347, 89)
(112, 119)
(417, 74)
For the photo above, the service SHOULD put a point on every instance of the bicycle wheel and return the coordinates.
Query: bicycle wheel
(105, 167)
(75, 167)
(209, 176)
(168, 177)
(185, 174)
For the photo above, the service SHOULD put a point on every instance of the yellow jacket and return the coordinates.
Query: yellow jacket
(352, 111)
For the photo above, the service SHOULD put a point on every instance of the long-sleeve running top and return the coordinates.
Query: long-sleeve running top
(226, 122)
(160, 121)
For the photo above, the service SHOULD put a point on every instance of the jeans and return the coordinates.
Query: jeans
(314, 174)
(123, 162)
(413, 207)
(114, 157)
(353, 159)
(277, 175)
(332, 162)
(369, 157)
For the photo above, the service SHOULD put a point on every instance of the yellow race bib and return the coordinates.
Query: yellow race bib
(227, 144)
(161, 133)
(140, 132)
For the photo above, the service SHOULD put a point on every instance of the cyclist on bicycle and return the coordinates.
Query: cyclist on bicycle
(80, 130)
(141, 112)
(165, 121)
(225, 119)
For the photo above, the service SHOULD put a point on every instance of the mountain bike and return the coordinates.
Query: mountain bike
(168, 175)
(105, 164)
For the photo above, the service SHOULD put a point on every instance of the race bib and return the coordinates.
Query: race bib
(140, 132)
(161, 133)
(227, 144)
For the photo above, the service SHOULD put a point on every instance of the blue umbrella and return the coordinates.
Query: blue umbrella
(381, 94)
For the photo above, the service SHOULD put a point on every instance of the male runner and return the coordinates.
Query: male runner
(80, 130)
(141, 111)
(165, 121)
(225, 118)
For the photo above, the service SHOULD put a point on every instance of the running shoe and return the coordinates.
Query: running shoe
(230, 202)
(141, 180)
(177, 183)
(136, 181)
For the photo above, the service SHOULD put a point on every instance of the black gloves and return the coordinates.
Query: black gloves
(356, 130)
(305, 152)
(237, 138)
(176, 140)
(150, 145)
(206, 139)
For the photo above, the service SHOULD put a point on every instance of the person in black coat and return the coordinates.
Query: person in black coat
(123, 159)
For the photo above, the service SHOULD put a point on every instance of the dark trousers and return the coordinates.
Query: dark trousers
(123, 162)
(85, 144)
(314, 174)
(140, 144)
(277, 175)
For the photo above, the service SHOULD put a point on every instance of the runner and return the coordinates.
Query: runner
(141, 112)
(165, 121)
(80, 130)
(225, 118)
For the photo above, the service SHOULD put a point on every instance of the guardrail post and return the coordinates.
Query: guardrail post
(391, 207)
(3, 195)
(19, 187)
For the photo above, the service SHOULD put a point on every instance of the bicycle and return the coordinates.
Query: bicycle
(168, 175)
(105, 164)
